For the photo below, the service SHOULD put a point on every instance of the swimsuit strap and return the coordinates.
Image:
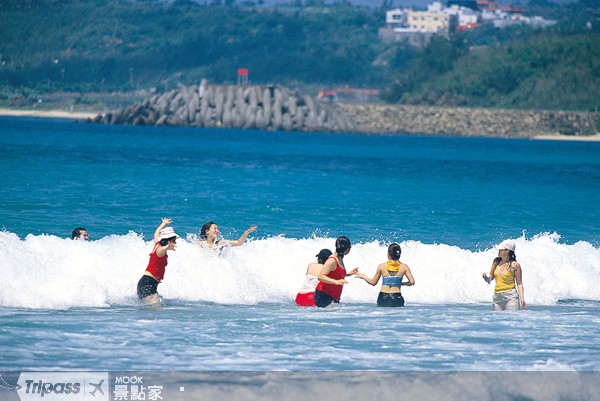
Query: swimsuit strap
(156, 245)
(337, 262)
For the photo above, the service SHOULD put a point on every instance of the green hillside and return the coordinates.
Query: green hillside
(546, 71)
(120, 43)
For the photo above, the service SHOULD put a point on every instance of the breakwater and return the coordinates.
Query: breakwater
(233, 106)
(377, 118)
(281, 109)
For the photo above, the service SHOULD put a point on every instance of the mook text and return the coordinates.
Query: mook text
(129, 380)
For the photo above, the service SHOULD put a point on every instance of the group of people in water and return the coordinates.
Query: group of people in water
(165, 239)
(325, 279)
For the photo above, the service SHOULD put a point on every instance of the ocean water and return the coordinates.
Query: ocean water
(71, 305)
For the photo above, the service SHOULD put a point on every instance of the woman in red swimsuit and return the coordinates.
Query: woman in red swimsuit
(333, 275)
(164, 240)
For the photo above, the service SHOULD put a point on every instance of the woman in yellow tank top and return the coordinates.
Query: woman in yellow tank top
(505, 269)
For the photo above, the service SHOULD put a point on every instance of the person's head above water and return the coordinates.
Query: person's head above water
(167, 235)
(80, 233)
(394, 251)
(342, 245)
(323, 255)
(508, 247)
(206, 228)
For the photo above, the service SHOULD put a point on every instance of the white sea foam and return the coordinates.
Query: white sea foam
(50, 272)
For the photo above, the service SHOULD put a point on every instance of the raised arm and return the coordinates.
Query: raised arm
(243, 237)
(165, 222)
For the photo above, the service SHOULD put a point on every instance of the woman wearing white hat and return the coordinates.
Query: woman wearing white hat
(508, 275)
(164, 240)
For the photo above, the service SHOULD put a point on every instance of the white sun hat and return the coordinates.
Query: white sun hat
(167, 232)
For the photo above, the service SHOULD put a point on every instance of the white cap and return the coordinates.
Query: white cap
(506, 245)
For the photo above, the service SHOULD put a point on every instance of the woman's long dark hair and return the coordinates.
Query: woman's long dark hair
(205, 228)
(342, 244)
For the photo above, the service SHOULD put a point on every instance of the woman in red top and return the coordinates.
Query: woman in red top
(164, 240)
(333, 274)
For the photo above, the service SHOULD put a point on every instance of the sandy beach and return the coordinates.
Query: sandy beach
(558, 137)
(47, 113)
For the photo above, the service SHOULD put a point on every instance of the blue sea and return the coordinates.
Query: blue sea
(71, 306)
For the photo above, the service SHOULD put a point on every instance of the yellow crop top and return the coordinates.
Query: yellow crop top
(506, 281)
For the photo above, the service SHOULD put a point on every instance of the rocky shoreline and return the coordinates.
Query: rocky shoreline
(281, 109)
(469, 121)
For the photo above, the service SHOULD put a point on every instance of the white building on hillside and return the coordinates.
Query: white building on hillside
(433, 20)
(436, 19)
(417, 27)
(395, 18)
(501, 19)
(428, 21)
(463, 16)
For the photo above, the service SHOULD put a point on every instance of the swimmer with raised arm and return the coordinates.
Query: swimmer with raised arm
(209, 237)
(164, 240)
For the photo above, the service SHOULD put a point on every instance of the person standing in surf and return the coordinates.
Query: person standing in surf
(306, 295)
(392, 272)
(333, 275)
(509, 293)
(165, 240)
(209, 237)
